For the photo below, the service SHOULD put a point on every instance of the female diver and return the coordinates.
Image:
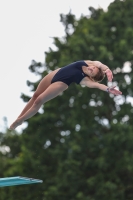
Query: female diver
(83, 72)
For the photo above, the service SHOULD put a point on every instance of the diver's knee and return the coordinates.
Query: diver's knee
(35, 95)
(38, 101)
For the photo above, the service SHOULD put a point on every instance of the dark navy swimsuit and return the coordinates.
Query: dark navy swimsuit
(70, 73)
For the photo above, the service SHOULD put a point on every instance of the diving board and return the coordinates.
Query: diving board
(17, 180)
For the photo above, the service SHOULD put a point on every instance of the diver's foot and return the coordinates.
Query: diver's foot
(15, 124)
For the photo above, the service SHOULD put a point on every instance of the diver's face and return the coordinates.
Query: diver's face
(92, 70)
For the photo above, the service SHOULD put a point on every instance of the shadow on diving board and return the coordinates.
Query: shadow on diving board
(17, 180)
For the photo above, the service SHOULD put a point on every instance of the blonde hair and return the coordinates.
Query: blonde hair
(100, 75)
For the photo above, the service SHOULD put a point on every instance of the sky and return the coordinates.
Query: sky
(27, 28)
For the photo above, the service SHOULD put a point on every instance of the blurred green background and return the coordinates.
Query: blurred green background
(81, 144)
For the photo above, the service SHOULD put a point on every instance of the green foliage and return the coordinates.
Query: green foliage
(81, 146)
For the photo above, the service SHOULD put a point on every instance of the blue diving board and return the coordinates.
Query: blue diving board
(17, 180)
